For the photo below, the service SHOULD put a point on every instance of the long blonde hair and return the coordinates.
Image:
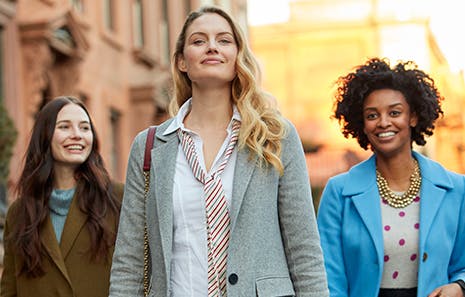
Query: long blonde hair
(262, 126)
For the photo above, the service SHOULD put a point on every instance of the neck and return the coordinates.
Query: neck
(63, 178)
(210, 109)
(396, 170)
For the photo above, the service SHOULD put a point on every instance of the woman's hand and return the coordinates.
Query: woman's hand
(449, 290)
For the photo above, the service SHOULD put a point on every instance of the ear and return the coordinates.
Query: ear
(413, 119)
(181, 63)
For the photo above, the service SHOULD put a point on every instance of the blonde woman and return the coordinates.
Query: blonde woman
(229, 211)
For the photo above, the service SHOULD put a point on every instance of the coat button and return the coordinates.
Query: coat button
(425, 257)
(233, 278)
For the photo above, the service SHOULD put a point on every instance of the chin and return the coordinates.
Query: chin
(76, 162)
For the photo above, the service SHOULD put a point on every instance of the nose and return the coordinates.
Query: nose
(76, 133)
(212, 46)
(384, 121)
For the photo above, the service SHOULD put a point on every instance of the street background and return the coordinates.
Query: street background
(115, 56)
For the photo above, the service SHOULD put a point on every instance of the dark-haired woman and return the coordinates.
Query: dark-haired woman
(393, 225)
(61, 229)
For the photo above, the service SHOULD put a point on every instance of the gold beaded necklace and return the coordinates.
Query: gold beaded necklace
(400, 201)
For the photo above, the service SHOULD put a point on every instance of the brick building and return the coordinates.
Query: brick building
(114, 54)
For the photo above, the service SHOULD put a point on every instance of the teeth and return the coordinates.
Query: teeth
(75, 147)
(386, 134)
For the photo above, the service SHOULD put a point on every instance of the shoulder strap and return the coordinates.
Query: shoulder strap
(148, 147)
(147, 160)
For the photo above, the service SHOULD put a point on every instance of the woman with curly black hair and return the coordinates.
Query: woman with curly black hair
(393, 225)
(60, 231)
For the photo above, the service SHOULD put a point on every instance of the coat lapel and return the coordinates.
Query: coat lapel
(429, 205)
(369, 209)
(75, 221)
(365, 196)
(434, 185)
(242, 174)
(49, 240)
(164, 156)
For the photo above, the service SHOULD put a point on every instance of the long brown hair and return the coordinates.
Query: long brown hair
(95, 196)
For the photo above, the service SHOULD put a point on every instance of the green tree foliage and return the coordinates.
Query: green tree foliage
(8, 136)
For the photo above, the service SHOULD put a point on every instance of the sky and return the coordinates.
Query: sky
(447, 23)
(276, 11)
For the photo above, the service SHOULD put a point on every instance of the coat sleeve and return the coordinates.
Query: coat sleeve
(456, 268)
(298, 223)
(8, 282)
(330, 227)
(127, 267)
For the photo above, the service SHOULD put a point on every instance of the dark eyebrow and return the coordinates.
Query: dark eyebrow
(390, 106)
(68, 121)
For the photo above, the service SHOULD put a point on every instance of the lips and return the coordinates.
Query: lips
(211, 61)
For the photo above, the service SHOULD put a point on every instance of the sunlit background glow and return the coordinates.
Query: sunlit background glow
(446, 19)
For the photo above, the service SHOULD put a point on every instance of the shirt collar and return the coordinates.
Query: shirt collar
(177, 123)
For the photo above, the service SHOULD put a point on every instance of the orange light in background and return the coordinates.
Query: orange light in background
(304, 46)
(446, 20)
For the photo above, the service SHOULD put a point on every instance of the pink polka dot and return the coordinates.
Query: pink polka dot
(413, 257)
(386, 258)
(416, 199)
(417, 226)
(401, 214)
(387, 227)
(395, 274)
(402, 241)
(384, 201)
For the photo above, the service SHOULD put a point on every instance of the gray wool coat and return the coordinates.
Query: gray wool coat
(274, 247)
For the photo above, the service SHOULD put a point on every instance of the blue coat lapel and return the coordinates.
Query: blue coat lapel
(435, 183)
(365, 196)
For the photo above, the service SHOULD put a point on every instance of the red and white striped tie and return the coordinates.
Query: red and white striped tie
(218, 221)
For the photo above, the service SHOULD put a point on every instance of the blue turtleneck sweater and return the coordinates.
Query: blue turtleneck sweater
(59, 204)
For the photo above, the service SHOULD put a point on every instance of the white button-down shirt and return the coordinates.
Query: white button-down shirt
(189, 262)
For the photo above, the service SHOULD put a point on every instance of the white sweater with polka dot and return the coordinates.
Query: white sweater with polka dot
(401, 234)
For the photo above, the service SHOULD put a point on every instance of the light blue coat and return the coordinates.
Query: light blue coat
(349, 221)
(274, 246)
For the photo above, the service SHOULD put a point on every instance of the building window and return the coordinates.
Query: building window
(109, 14)
(115, 117)
(165, 34)
(138, 24)
(77, 5)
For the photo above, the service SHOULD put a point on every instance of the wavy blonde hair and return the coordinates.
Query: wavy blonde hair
(262, 126)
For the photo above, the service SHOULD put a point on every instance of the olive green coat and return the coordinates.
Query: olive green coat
(68, 270)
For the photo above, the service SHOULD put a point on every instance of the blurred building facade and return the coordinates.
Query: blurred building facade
(302, 58)
(113, 54)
